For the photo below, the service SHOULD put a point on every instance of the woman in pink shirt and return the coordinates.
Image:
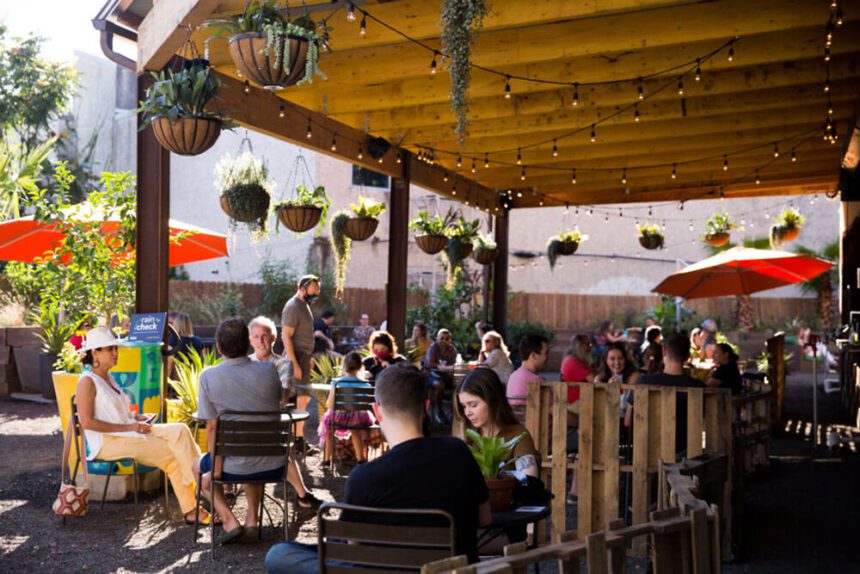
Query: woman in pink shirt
(576, 365)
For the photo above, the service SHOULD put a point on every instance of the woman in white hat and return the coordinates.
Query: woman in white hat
(113, 432)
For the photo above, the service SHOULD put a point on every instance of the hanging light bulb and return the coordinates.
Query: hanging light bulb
(640, 92)
(362, 31)
(620, 213)
(541, 202)
(350, 12)
(757, 178)
(360, 152)
(519, 193)
(433, 65)
(398, 158)
(827, 54)
(519, 157)
(680, 87)
(636, 113)
(523, 174)
(697, 75)
(281, 112)
(333, 144)
(606, 218)
(247, 87)
(829, 106)
(590, 211)
(507, 87)
(473, 165)
(445, 178)
(554, 149)
(793, 156)
(459, 161)
(775, 149)
(309, 133)
(691, 225)
(674, 171)
(649, 211)
(454, 189)
(593, 134)
(573, 177)
(575, 94)
(839, 17)
(624, 176)
(826, 86)
(486, 160)
(731, 55)
(725, 163)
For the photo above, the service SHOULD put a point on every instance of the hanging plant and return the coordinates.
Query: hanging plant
(430, 231)
(245, 188)
(460, 234)
(650, 236)
(786, 227)
(341, 245)
(565, 243)
(309, 204)
(718, 228)
(365, 218)
(290, 47)
(486, 251)
(461, 22)
(176, 107)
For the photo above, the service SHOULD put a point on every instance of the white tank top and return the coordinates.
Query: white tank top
(110, 406)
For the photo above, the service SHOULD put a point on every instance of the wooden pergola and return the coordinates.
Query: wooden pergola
(749, 122)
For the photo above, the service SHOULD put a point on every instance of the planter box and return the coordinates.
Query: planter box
(27, 363)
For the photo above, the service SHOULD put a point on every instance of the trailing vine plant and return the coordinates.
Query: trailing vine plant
(461, 22)
(340, 245)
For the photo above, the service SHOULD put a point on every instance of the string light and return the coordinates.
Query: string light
(639, 90)
(826, 86)
(674, 171)
(486, 160)
(350, 12)
(829, 106)
(523, 174)
(459, 161)
(593, 134)
(247, 87)
(473, 165)
(519, 157)
(507, 87)
(680, 87)
(575, 95)
(333, 144)
(360, 152)
(309, 134)
(573, 177)
(398, 158)
(636, 113)
(445, 178)
(775, 149)
(281, 112)
(697, 75)
(590, 212)
(554, 149)
(691, 225)
(454, 189)
(839, 17)
(362, 31)
(757, 178)
(827, 54)
(620, 213)
(793, 156)
(731, 55)
(519, 193)
(725, 163)
(433, 65)
(624, 176)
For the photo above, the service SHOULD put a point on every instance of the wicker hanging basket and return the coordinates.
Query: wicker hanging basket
(360, 228)
(225, 206)
(568, 247)
(186, 136)
(786, 234)
(651, 241)
(431, 244)
(249, 54)
(717, 239)
(485, 256)
(299, 218)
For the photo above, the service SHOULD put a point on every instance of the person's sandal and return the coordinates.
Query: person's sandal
(309, 500)
(229, 536)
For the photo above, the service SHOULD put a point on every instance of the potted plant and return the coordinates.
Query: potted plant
(364, 220)
(54, 332)
(305, 210)
(493, 453)
(485, 249)
(460, 234)
(175, 106)
(717, 229)
(786, 227)
(341, 245)
(245, 188)
(271, 49)
(430, 231)
(650, 236)
(565, 243)
(187, 369)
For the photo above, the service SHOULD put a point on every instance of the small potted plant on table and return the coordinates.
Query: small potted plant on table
(493, 453)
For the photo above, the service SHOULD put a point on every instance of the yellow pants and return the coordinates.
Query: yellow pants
(169, 447)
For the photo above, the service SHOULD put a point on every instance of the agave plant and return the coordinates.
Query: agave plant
(188, 367)
(492, 453)
(55, 330)
(326, 368)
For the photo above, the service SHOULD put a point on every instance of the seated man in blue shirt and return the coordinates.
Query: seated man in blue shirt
(408, 475)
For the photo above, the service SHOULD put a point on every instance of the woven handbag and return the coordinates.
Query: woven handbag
(72, 499)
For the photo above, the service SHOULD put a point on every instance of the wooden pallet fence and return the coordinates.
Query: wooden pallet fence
(604, 459)
(753, 428)
(776, 373)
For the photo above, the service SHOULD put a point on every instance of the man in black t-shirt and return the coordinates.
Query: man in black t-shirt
(323, 342)
(676, 351)
(408, 475)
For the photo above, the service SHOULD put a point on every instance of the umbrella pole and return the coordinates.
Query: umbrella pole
(814, 341)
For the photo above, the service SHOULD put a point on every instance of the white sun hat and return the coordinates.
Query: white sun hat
(101, 337)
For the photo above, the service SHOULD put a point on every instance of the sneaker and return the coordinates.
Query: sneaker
(309, 501)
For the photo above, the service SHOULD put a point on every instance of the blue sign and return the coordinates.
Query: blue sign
(147, 328)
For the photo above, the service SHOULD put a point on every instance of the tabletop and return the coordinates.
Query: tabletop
(294, 415)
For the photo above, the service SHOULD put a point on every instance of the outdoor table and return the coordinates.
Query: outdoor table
(518, 517)
(292, 415)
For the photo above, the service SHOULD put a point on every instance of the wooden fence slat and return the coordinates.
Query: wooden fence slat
(712, 423)
(584, 468)
(695, 411)
(559, 454)
(596, 544)
(668, 398)
(655, 424)
(610, 454)
(699, 538)
(641, 423)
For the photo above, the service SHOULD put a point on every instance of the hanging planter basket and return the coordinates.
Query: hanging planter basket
(651, 241)
(717, 239)
(225, 206)
(784, 234)
(431, 244)
(249, 55)
(485, 256)
(459, 250)
(360, 228)
(299, 218)
(246, 202)
(186, 136)
(568, 247)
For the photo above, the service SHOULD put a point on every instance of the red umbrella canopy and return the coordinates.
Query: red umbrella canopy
(741, 271)
(27, 240)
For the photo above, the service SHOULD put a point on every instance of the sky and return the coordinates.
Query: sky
(66, 24)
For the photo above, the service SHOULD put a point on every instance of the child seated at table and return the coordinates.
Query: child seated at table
(353, 424)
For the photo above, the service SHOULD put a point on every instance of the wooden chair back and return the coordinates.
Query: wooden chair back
(386, 539)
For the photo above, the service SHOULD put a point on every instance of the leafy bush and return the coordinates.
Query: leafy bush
(212, 310)
(452, 308)
(279, 284)
(665, 315)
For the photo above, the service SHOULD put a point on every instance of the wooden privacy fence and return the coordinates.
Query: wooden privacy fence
(753, 424)
(614, 470)
(776, 373)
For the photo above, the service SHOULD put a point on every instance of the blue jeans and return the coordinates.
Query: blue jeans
(293, 558)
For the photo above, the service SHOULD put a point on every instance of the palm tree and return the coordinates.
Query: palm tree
(19, 174)
(822, 286)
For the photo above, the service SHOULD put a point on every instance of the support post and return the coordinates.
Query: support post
(153, 213)
(500, 275)
(398, 248)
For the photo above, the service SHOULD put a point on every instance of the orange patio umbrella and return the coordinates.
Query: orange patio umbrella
(27, 240)
(741, 271)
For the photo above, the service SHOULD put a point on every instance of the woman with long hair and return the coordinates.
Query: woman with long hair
(617, 365)
(383, 354)
(576, 365)
(494, 355)
(726, 375)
